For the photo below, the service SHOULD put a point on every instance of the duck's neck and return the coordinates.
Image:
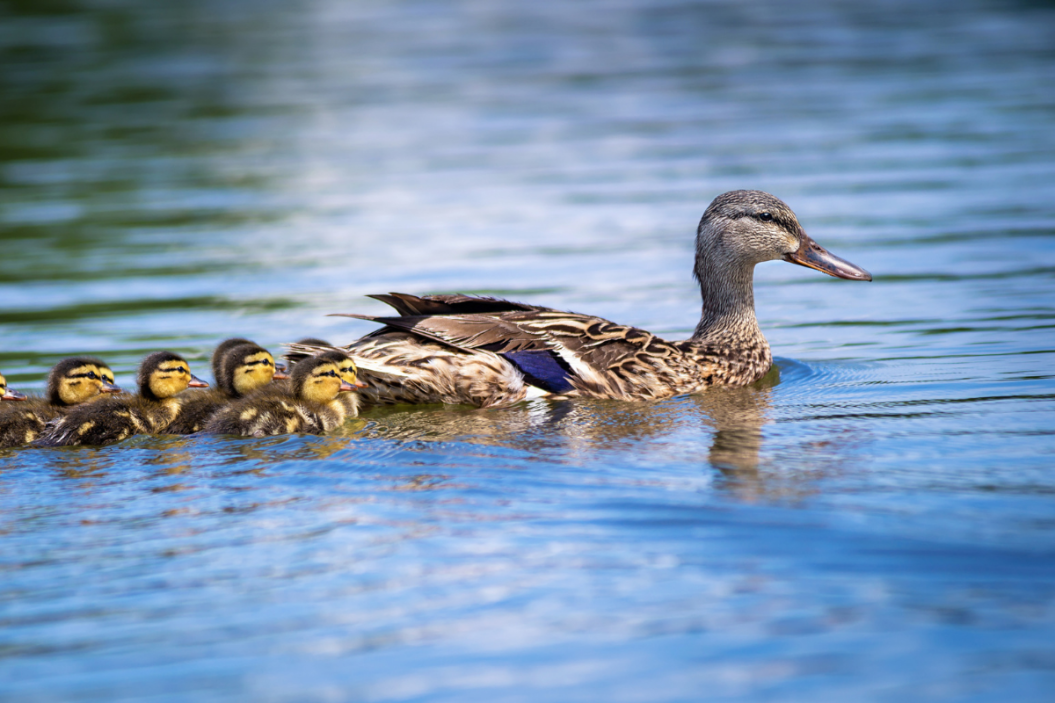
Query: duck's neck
(728, 317)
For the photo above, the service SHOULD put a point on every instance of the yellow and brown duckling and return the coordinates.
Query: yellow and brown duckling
(7, 393)
(71, 382)
(240, 367)
(310, 406)
(162, 376)
(352, 402)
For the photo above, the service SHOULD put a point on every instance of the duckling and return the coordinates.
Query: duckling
(71, 382)
(162, 375)
(8, 394)
(347, 368)
(311, 407)
(241, 367)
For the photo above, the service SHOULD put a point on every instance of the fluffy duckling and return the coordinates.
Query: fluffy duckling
(241, 367)
(71, 382)
(311, 406)
(347, 368)
(162, 376)
(8, 394)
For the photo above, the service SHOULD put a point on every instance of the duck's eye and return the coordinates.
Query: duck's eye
(766, 216)
(91, 375)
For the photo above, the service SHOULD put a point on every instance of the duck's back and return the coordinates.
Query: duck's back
(195, 410)
(22, 422)
(274, 413)
(109, 420)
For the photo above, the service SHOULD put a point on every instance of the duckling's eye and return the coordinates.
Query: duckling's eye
(92, 375)
(766, 216)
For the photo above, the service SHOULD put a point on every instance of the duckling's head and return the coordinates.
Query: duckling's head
(318, 378)
(244, 368)
(164, 374)
(221, 349)
(8, 394)
(78, 380)
(746, 227)
(348, 370)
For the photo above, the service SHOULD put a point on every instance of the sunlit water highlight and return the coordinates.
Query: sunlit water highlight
(874, 521)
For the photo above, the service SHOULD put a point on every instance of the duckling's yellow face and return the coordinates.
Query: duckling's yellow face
(349, 373)
(256, 370)
(7, 394)
(323, 384)
(170, 378)
(83, 383)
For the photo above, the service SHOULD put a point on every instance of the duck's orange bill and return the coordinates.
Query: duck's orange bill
(812, 255)
(196, 382)
(12, 395)
(360, 384)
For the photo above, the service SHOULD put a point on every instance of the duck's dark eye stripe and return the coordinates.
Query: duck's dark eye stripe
(765, 217)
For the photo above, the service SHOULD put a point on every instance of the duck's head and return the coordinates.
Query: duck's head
(348, 370)
(8, 394)
(750, 226)
(319, 379)
(163, 374)
(244, 368)
(78, 380)
(221, 349)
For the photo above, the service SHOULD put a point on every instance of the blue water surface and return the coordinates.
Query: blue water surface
(874, 521)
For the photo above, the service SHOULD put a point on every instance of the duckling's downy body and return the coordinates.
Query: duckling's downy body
(71, 382)
(488, 352)
(240, 367)
(162, 376)
(311, 406)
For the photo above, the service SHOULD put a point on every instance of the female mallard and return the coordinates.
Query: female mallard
(484, 351)
(162, 376)
(240, 367)
(7, 393)
(71, 382)
(311, 405)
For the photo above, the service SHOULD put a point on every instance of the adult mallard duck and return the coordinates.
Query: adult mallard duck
(71, 382)
(240, 367)
(310, 405)
(162, 376)
(485, 351)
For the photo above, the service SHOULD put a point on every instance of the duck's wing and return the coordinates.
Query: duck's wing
(557, 351)
(449, 304)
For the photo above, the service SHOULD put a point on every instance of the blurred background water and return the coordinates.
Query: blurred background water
(874, 521)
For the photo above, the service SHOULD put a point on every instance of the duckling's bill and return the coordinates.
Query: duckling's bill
(196, 382)
(12, 395)
(812, 255)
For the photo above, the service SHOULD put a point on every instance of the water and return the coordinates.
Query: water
(875, 521)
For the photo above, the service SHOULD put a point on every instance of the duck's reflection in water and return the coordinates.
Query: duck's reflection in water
(722, 426)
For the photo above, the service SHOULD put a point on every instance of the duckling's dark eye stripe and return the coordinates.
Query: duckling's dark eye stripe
(265, 362)
(87, 374)
(178, 369)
